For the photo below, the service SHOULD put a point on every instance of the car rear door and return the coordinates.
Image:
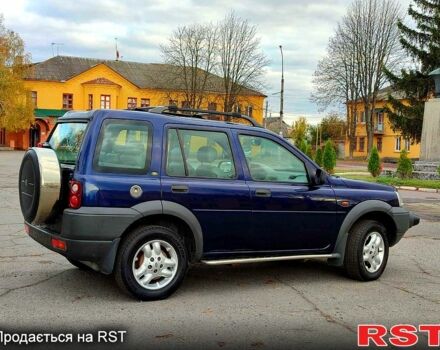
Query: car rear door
(200, 172)
(288, 214)
(122, 171)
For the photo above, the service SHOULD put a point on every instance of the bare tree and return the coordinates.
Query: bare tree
(336, 81)
(190, 53)
(241, 62)
(365, 42)
(371, 31)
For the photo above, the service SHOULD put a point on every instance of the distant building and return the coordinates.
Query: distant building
(62, 83)
(273, 124)
(388, 142)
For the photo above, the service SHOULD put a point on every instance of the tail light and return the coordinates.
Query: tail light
(75, 194)
(40, 144)
(58, 244)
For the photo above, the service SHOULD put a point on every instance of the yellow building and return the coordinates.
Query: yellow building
(65, 83)
(388, 142)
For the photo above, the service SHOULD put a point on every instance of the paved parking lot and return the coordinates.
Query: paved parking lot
(271, 305)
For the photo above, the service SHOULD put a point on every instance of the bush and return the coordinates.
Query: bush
(309, 151)
(318, 156)
(329, 157)
(438, 170)
(374, 166)
(302, 145)
(404, 166)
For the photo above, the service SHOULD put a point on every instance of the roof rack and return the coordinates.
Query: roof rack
(195, 113)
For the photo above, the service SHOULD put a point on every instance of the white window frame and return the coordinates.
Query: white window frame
(408, 144)
(398, 143)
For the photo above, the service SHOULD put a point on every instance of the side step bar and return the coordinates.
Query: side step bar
(270, 258)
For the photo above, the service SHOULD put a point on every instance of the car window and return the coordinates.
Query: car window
(270, 161)
(66, 141)
(205, 154)
(123, 147)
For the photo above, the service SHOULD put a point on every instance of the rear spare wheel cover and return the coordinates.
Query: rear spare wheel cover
(39, 184)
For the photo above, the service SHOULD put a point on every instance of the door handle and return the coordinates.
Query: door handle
(262, 192)
(179, 188)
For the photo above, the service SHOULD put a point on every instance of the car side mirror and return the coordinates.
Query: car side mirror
(318, 178)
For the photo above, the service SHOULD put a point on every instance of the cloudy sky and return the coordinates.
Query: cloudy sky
(88, 27)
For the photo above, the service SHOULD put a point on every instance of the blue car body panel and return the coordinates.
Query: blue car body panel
(295, 218)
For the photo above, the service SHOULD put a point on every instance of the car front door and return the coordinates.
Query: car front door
(200, 172)
(288, 214)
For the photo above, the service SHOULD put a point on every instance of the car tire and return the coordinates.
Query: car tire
(151, 263)
(80, 265)
(367, 250)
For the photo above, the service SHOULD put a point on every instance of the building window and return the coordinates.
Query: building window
(132, 102)
(379, 144)
(397, 145)
(212, 106)
(90, 101)
(362, 117)
(237, 108)
(250, 111)
(67, 101)
(172, 103)
(145, 102)
(408, 144)
(34, 98)
(105, 101)
(361, 144)
(185, 104)
(355, 145)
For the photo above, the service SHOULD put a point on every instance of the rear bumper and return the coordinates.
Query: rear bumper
(99, 254)
(403, 220)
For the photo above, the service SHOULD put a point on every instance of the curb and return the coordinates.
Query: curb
(421, 189)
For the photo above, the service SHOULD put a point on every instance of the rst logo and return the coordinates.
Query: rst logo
(401, 335)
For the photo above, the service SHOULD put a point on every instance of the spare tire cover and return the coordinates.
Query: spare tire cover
(39, 184)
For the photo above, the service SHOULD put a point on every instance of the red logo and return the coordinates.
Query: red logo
(400, 335)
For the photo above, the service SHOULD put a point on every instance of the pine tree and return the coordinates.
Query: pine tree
(374, 166)
(318, 156)
(422, 44)
(404, 165)
(329, 157)
(302, 145)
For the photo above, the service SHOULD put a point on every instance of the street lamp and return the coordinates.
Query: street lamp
(436, 75)
(282, 91)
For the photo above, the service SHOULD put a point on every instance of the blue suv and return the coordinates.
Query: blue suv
(143, 194)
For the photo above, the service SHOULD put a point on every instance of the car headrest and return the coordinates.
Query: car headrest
(206, 154)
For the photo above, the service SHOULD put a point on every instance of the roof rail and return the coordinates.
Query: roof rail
(195, 113)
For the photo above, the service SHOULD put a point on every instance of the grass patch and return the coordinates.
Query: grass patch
(395, 181)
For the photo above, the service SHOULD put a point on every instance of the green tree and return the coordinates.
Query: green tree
(404, 166)
(333, 127)
(16, 109)
(318, 156)
(422, 44)
(374, 165)
(329, 157)
(299, 130)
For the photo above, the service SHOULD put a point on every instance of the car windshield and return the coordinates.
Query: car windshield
(66, 141)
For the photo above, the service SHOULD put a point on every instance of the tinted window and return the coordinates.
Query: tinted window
(269, 161)
(66, 141)
(123, 147)
(205, 154)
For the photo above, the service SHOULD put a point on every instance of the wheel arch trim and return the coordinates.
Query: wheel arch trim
(158, 207)
(352, 217)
